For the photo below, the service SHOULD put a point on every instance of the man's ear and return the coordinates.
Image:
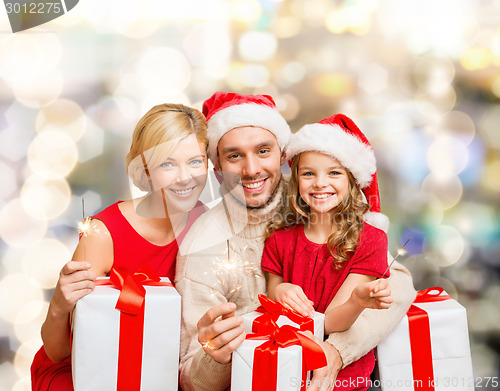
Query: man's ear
(283, 158)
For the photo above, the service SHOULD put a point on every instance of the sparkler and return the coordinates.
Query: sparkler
(85, 228)
(401, 251)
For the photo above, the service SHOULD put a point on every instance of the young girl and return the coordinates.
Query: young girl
(167, 159)
(330, 254)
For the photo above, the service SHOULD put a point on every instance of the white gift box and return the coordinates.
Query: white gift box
(96, 329)
(319, 322)
(289, 374)
(449, 341)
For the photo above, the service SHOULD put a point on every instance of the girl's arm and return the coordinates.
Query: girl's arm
(290, 295)
(357, 292)
(75, 281)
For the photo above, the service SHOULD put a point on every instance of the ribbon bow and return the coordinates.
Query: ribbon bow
(131, 306)
(272, 310)
(265, 363)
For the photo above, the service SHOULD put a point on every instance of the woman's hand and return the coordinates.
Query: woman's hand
(374, 294)
(76, 280)
(293, 297)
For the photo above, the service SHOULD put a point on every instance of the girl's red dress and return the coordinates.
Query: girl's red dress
(288, 253)
(131, 251)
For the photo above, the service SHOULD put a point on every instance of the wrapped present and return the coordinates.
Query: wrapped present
(429, 349)
(275, 357)
(126, 334)
(270, 309)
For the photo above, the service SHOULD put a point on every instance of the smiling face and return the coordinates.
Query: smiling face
(182, 175)
(249, 157)
(322, 181)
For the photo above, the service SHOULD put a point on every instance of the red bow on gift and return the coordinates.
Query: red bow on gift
(131, 306)
(420, 337)
(265, 363)
(272, 310)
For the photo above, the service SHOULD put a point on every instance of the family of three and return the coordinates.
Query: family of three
(314, 240)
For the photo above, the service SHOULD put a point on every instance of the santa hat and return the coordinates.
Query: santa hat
(225, 111)
(338, 136)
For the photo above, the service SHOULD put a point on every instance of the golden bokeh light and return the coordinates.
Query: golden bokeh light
(62, 115)
(17, 227)
(447, 156)
(52, 154)
(17, 289)
(334, 84)
(257, 46)
(29, 320)
(447, 189)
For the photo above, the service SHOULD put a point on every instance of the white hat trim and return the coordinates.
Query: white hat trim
(249, 114)
(332, 140)
(378, 220)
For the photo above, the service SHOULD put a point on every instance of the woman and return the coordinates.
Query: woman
(167, 159)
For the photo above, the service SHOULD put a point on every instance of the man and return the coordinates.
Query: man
(247, 136)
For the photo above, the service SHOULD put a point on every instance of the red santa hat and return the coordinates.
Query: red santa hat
(338, 136)
(225, 111)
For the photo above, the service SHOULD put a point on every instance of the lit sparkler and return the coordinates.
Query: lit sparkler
(401, 251)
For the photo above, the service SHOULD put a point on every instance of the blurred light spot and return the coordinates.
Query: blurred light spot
(44, 260)
(9, 184)
(446, 245)
(45, 199)
(254, 75)
(257, 46)
(447, 189)
(289, 74)
(209, 46)
(135, 20)
(156, 95)
(15, 291)
(495, 87)
(245, 10)
(288, 105)
(17, 227)
(475, 58)
(29, 320)
(489, 126)
(23, 360)
(490, 180)
(332, 84)
(478, 223)
(471, 176)
(447, 156)
(456, 124)
(37, 92)
(348, 18)
(91, 144)
(7, 372)
(24, 383)
(52, 154)
(422, 209)
(373, 78)
(62, 115)
(163, 68)
(434, 74)
(286, 27)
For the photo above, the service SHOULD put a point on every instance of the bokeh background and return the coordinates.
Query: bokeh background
(421, 79)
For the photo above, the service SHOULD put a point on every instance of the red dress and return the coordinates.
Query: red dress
(288, 253)
(130, 252)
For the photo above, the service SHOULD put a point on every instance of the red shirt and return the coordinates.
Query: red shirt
(290, 254)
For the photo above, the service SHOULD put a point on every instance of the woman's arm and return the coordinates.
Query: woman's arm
(357, 292)
(76, 280)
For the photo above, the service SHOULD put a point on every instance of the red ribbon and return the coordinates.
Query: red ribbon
(272, 310)
(420, 338)
(265, 362)
(131, 306)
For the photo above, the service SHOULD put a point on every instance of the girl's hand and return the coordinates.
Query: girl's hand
(374, 294)
(293, 297)
(76, 280)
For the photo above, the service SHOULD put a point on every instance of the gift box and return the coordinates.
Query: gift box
(276, 357)
(429, 349)
(126, 335)
(283, 316)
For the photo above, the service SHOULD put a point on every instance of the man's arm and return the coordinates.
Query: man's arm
(373, 325)
(205, 310)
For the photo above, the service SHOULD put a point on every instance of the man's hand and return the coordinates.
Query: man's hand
(324, 378)
(220, 332)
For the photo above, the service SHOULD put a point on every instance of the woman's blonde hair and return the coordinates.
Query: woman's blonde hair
(348, 217)
(156, 136)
